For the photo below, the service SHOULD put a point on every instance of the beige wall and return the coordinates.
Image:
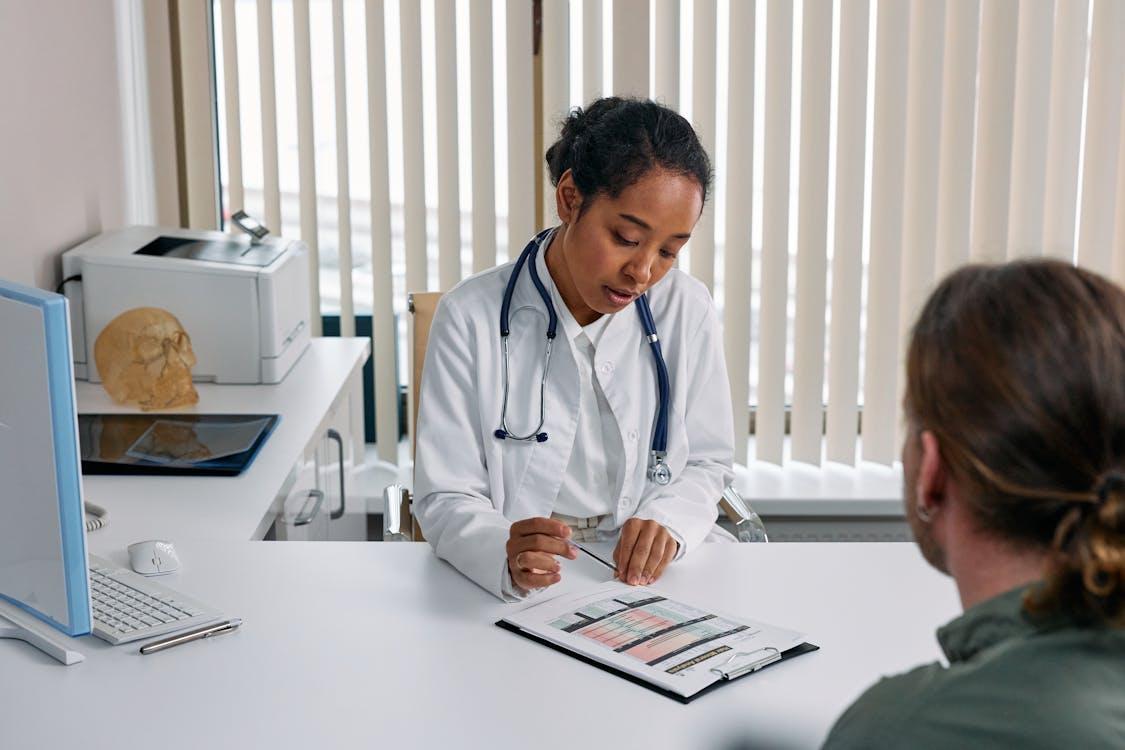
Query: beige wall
(62, 170)
(61, 173)
(158, 60)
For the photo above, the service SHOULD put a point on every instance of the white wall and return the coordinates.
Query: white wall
(62, 176)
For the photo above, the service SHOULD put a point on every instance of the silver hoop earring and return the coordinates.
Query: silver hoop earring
(925, 515)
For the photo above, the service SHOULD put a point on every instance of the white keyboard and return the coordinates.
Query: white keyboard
(129, 607)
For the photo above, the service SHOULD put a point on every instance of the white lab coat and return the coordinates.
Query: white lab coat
(471, 486)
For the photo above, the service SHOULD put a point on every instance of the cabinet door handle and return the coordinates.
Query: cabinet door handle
(333, 435)
(308, 514)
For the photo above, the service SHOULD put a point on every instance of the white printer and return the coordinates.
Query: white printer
(244, 302)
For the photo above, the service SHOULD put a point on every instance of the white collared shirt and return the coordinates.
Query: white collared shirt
(592, 483)
(590, 486)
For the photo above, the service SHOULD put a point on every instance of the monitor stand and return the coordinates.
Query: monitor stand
(17, 624)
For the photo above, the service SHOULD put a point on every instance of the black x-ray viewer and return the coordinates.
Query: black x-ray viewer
(172, 444)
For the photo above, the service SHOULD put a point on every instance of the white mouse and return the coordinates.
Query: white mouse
(153, 557)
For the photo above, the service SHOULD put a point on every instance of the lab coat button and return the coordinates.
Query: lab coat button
(607, 368)
(632, 435)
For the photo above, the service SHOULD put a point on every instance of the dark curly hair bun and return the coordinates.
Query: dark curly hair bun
(614, 142)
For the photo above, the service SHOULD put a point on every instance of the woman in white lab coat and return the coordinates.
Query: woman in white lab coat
(631, 179)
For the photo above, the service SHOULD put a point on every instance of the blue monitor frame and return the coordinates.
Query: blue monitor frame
(68, 478)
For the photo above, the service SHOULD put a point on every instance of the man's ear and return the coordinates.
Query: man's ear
(568, 200)
(933, 474)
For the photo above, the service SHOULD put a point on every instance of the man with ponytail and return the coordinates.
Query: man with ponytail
(1014, 462)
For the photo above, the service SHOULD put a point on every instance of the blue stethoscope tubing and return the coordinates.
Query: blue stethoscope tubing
(658, 470)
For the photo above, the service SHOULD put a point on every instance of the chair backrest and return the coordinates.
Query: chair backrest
(422, 306)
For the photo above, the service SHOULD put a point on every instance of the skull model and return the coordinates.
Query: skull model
(144, 356)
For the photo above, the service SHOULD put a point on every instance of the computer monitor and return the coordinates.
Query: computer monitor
(43, 565)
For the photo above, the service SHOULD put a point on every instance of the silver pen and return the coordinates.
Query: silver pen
(579, 547)
(206, 631)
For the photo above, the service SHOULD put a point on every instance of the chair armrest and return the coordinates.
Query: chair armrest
(748, 525)
(398, 521)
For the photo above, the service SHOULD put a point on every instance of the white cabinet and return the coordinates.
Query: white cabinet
(319, 502)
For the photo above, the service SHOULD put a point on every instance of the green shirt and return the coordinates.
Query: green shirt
(1012, 682)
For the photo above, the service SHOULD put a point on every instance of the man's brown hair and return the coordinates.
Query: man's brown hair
(1019, 372)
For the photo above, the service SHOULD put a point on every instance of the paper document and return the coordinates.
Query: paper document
(676, 646)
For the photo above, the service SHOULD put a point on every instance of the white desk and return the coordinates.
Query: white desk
(382, 645)
(230, 508)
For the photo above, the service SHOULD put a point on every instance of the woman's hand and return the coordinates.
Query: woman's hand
(532, 546)
(643, 551)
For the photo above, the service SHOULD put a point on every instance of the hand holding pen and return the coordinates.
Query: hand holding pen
(532, 548)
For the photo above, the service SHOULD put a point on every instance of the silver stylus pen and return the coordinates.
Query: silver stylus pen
(206, 631)
(579, 547)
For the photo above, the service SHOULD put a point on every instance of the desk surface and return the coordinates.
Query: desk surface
(364, 644)
(228, 508)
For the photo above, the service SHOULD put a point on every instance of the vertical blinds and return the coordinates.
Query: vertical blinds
(862, 149)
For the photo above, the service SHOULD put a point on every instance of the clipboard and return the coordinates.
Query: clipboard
(734, 669)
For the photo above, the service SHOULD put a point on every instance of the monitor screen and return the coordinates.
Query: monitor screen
(43, 565)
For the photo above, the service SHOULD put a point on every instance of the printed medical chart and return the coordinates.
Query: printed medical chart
(660, 640)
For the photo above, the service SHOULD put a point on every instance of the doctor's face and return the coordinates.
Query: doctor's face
(607, 255)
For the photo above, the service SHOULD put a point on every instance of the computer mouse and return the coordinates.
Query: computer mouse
(153, 557)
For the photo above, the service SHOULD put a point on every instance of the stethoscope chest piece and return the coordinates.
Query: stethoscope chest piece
(658, 471)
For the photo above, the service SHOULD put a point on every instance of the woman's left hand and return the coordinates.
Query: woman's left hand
(643, 552)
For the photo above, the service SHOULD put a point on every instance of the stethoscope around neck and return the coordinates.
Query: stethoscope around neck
(658, 470)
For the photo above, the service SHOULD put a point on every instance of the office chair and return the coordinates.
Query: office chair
(398, 521)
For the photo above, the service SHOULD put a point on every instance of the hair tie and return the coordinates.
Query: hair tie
(1109, 482)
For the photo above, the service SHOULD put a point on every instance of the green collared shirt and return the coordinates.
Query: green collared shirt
(1012, 682)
